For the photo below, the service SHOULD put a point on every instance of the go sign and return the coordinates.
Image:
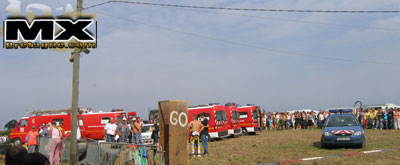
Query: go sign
(173, 116)
(173, 120)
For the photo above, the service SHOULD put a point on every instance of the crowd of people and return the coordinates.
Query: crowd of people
(122, 133)
(296, 120)
(29, 154)
(126, 132)
(368, 118)
(380, 118)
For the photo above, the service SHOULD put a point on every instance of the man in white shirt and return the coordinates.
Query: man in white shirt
(109, 130)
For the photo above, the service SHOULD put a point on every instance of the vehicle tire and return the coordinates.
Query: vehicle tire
(17, 142)
(323, 145)
(252, 133)
(244, 131)
(362, 145)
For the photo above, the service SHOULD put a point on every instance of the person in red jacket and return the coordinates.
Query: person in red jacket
(32, 140)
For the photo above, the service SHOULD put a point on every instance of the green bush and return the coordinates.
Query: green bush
(5, 133)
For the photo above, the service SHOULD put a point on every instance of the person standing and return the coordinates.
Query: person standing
(123, 132)
(397, 119)
(154, 133)
(137, 131)
(264, 120)
(380, 115)
(130, 123)
(204, 133)
(196, 128)
(288, 120)
(270, 121)
(45, 130)
(109, 130)
(385, 119)
(32, 139)
(321, 119)
(55, 145)
(390, 116)
(41, 129)
(368, 116)
(361, 118)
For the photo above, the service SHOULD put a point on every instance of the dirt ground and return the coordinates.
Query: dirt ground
(276, 146)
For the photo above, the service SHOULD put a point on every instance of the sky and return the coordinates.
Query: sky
(278, 60)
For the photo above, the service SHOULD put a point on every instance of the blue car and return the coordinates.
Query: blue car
(342, 129)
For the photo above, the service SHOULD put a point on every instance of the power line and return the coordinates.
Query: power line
(246, 9)
(283, 52)
(96, 5)
(301, 21)
(260, 17)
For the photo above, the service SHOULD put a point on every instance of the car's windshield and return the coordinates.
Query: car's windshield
(340, 121)
(146, 128)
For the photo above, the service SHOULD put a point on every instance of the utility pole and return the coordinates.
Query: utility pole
(75, 95)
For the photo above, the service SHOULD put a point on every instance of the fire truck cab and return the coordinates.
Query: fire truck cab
(250, 118)
(232, 114)
(217, 120)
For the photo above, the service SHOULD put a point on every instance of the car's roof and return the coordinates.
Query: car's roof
(341, 114)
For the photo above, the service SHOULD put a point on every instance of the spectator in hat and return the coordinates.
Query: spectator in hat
(123, 131)
(44, 130)
(32, 139)
(41, 128)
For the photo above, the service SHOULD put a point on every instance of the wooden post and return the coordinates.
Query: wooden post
(173, 116)
(75, 96)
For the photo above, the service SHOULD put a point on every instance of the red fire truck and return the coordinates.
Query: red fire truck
(216, 115)
(91, 125)
(25, 124)
(250, 118)
(232, 115)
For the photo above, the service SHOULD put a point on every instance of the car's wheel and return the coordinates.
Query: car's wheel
(17, 142)
(244, 131)
(252, 133)
(362, 145)
(323, 145)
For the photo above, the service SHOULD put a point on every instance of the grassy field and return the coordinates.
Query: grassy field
(276, 146)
